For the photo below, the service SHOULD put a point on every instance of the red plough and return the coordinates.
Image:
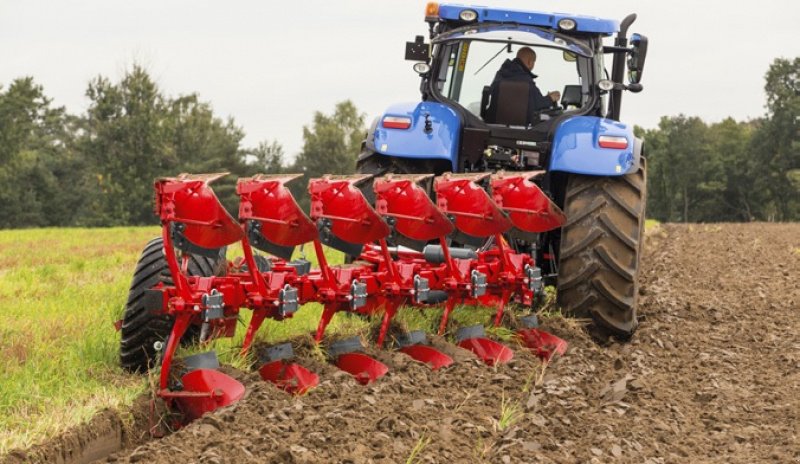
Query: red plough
(381, 279)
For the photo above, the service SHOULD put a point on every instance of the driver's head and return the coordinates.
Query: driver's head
(527, 56)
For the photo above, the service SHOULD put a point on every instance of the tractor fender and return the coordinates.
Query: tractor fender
(433, 134)
(576, 148)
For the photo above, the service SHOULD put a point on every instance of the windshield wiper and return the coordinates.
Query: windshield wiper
(492, 58)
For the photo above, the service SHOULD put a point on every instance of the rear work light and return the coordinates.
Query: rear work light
(610, 141)
(396, 122)
(566, 24)
(468, 15)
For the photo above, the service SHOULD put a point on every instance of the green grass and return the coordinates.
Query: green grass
(510, 413)
(60, 292)
(424, 440)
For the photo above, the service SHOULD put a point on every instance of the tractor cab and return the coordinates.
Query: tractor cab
(501, 110)
(480, 120)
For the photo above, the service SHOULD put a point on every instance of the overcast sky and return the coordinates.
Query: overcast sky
(271, 64)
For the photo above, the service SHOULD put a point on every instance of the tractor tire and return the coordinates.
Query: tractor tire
(600, 251)
(141, 327)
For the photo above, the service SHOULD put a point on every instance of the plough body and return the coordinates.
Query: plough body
(381, 278)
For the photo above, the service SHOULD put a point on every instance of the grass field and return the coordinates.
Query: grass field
(61, 291)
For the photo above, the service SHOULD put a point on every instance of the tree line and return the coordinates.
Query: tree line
(97, 168)
(731, 170)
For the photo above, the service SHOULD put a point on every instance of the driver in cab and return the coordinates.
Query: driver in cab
(520, 70)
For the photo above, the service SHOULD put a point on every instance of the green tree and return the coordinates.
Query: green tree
(127, 135)
(678, 162)
(268, 158)
(134, 134)
(776, 143)
(40, 178)
(330, 145)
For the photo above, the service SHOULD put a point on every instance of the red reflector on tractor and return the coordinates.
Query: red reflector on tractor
(610, 141)
(396, 122)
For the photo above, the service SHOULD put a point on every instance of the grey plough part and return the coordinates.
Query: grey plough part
(422, 289)
(348, 345)
(276, 353)
(529, 322)
(434, 254)
(287, 301)
(534, 275)
(474, 331)
(214, 306)
(416, 337)
(302, 266)
(207, 360)
(478, 281)
(358, 292)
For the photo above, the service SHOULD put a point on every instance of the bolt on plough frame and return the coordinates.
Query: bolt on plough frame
(381, 279)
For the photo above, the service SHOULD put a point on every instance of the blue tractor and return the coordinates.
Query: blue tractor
(474, 118)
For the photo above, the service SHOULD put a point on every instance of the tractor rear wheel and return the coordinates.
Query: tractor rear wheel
(141, 327)
(600, 250)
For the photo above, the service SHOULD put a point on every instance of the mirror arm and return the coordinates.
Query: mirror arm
(613, 49)
(635, 88)
(618, 66)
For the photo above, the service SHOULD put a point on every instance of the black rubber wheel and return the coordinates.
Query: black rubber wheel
(141, 328)
(600, 250)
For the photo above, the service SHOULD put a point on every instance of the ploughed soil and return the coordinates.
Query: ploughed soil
(712, 375)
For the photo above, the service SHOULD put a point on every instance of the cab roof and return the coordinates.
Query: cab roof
(587, 24)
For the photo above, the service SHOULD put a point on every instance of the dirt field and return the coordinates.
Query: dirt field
(713, 375)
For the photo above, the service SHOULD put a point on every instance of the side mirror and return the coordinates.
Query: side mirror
(638, 52)
(569, 56)
(571, 96)
(418, 50)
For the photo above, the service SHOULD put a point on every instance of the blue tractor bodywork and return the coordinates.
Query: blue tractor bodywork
(433, 134)
(575, 143)
(436, 127)
(586, 24)
(575, 148)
